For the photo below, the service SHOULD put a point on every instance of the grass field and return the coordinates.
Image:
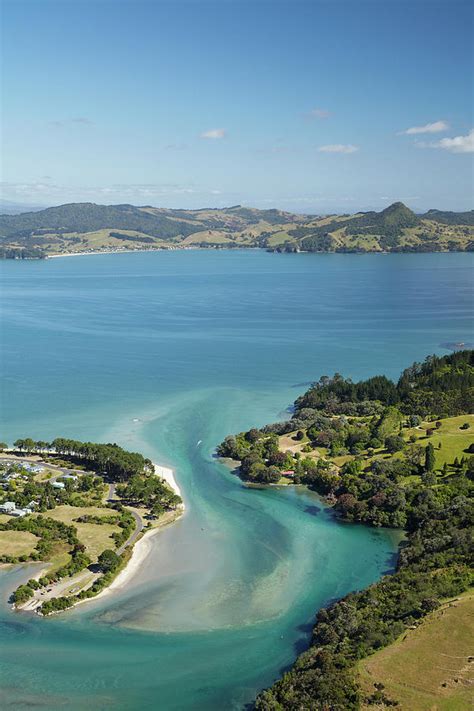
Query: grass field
(95, 537)
(279, 238)
(214, 236)
(430, 668)
(453, 440)
(16, 543)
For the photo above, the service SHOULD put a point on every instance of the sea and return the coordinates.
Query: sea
(166, 353)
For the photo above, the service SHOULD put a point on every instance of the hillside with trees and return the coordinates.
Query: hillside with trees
(381, 453)
(86, 227)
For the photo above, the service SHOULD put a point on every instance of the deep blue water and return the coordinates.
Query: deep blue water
(160, 351)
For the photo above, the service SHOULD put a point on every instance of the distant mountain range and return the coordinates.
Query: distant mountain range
(8, 207)
(86, 227)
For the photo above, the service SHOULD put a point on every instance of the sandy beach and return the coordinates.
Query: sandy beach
(168, 475)
(110, 251)
(143, 546)
(103, 251)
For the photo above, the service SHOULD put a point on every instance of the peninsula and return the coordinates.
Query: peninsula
(87, 228)
(85, 510)
(387, 454)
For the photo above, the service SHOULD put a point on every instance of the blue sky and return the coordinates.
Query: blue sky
(298, 105)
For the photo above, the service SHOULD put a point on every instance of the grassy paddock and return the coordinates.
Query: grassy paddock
(95, 537)
(16, 543)
(453, 440)
(428, 668)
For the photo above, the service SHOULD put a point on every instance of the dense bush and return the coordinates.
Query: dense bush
(402, 490)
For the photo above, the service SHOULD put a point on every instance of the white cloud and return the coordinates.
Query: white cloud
(458, 144)
(214, 133)
(435, 127)
(338, 148)
(318, 114)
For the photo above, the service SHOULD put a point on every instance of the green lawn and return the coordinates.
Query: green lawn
(453, 440)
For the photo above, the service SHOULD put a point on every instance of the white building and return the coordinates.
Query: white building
(7, 507)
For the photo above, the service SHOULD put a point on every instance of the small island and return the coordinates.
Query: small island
(83, 509)
(397, 455)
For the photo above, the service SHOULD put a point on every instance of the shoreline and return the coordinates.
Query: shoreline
(103, 251)
(167, 474)
(139, 551)
(219, 247)
(143, 545)
(171, 248)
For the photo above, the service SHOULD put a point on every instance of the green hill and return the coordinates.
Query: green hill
(88, 217)
(450, 218)
(86, 227)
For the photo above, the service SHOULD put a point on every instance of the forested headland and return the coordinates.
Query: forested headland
(382, 454)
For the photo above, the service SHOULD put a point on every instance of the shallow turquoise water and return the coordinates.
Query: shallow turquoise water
(162, 351)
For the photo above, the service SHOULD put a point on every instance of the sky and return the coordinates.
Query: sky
(311, 106)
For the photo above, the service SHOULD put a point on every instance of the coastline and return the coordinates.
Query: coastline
(103, 251)
(167, 474)
(143, 546)
(139, 551)
(171, 248)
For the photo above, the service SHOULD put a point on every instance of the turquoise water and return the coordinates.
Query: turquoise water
(160, 352)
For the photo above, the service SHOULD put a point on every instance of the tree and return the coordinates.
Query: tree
(108, 560)
(3, 446)
(430, 458)
(394, 443)
(270, 475)
(428, 478)
(414, 455)
(252, 435)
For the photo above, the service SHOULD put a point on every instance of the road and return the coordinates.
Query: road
(138, 529)
(111, 492)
